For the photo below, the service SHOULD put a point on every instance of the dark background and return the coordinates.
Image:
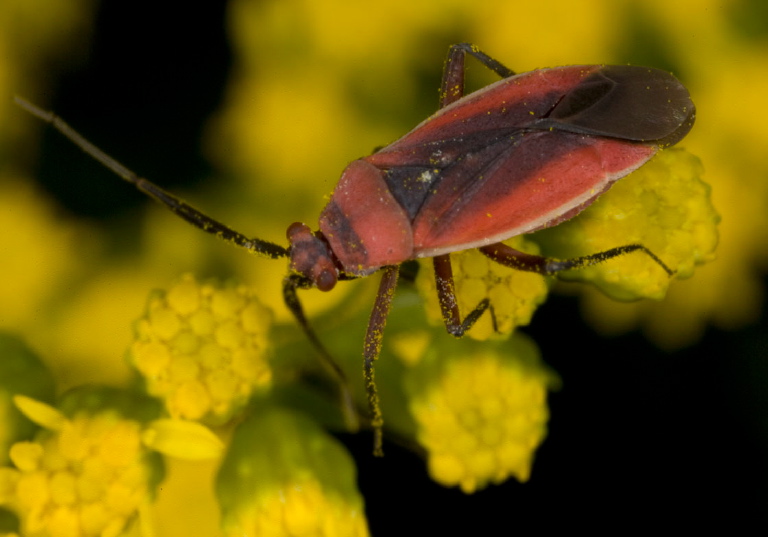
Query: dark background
(637, 435)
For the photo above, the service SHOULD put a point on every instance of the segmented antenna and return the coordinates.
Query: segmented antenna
(179, 207)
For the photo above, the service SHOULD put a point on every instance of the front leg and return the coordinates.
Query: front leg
(373, 338)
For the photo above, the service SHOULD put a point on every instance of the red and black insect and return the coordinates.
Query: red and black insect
(522, 154)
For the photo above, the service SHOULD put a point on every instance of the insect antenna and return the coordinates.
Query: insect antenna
(179, 207)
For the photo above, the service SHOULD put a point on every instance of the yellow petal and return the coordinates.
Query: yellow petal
(183, 439)
(39, 412)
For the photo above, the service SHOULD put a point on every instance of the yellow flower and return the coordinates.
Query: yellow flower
(480, 410)
(201, 349)
(95, 466)
(86, 475)
(664, 206)
(284, 476)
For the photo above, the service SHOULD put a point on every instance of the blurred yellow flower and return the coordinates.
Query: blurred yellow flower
(35, 32)
(42, 254)
(285, 476)
(301, 508)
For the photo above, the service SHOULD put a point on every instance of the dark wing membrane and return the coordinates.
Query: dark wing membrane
(626, 102)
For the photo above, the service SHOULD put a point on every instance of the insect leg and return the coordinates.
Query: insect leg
(446, 294)
(452, 87)
(373, 338)
(179, 207)
(291, 283)
(501, 253)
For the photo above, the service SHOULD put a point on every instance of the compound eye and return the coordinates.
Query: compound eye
(326, 280)
(298, 232)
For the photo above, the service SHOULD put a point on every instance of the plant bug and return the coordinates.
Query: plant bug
(522, 154)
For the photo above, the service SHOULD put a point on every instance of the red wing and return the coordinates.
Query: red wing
(537, 181)
(522, 154)
(529, 151)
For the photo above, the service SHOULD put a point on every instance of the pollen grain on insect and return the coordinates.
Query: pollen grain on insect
(426, 176)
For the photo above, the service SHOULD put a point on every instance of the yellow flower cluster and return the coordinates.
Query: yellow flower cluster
(480, 411)
(284, 476)
(664, 206)
(301, 508)
(201, 349)
(88, 478)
